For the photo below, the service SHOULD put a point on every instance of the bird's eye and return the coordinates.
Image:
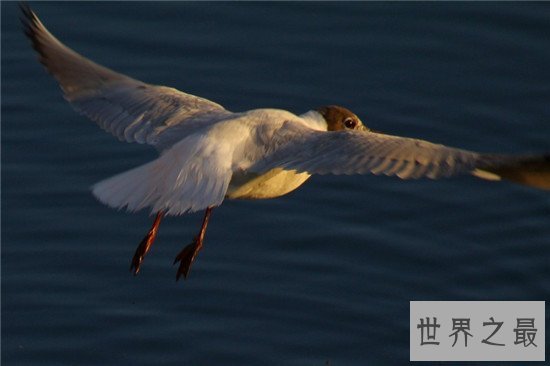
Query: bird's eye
(350, 123)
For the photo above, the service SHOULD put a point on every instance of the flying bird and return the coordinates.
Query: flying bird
(208, 153)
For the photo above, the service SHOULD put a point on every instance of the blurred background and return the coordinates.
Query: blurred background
(322, 276)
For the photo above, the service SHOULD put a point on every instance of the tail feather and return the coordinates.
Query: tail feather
(132, 189)
(189, 177)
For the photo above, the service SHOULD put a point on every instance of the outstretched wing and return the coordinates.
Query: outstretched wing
(295, 147)
(129, 109)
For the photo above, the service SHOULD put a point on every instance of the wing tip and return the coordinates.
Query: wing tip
(29, 19)
(26, 10)
(32, 27)
(529, 170)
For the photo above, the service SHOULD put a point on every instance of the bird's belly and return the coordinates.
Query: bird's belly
(274, 183)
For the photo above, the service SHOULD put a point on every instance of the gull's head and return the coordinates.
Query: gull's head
(340, 118)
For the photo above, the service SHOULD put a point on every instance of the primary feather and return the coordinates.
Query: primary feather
(129, 109)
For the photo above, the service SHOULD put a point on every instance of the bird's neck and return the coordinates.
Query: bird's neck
(315, 120)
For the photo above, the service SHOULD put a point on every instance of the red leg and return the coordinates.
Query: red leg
(188, 254)
(146, 244)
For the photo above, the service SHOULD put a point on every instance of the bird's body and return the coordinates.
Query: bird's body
(216, 157)
(207, 153)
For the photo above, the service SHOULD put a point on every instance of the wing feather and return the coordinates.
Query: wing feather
(129, 109)
(296, 147)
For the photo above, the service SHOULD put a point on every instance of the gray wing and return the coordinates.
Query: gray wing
(295, 147)
(129, 109)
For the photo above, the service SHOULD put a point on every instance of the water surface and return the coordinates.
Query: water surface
(324, 274)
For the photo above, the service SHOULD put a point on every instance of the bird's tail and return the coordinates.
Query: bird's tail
(533, 171)
(132, 189)
(185, 178)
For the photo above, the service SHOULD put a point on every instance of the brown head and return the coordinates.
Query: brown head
(340, 118)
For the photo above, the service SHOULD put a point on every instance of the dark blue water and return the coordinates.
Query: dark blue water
(323, 275)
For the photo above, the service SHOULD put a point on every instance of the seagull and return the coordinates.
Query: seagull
(208, 153)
